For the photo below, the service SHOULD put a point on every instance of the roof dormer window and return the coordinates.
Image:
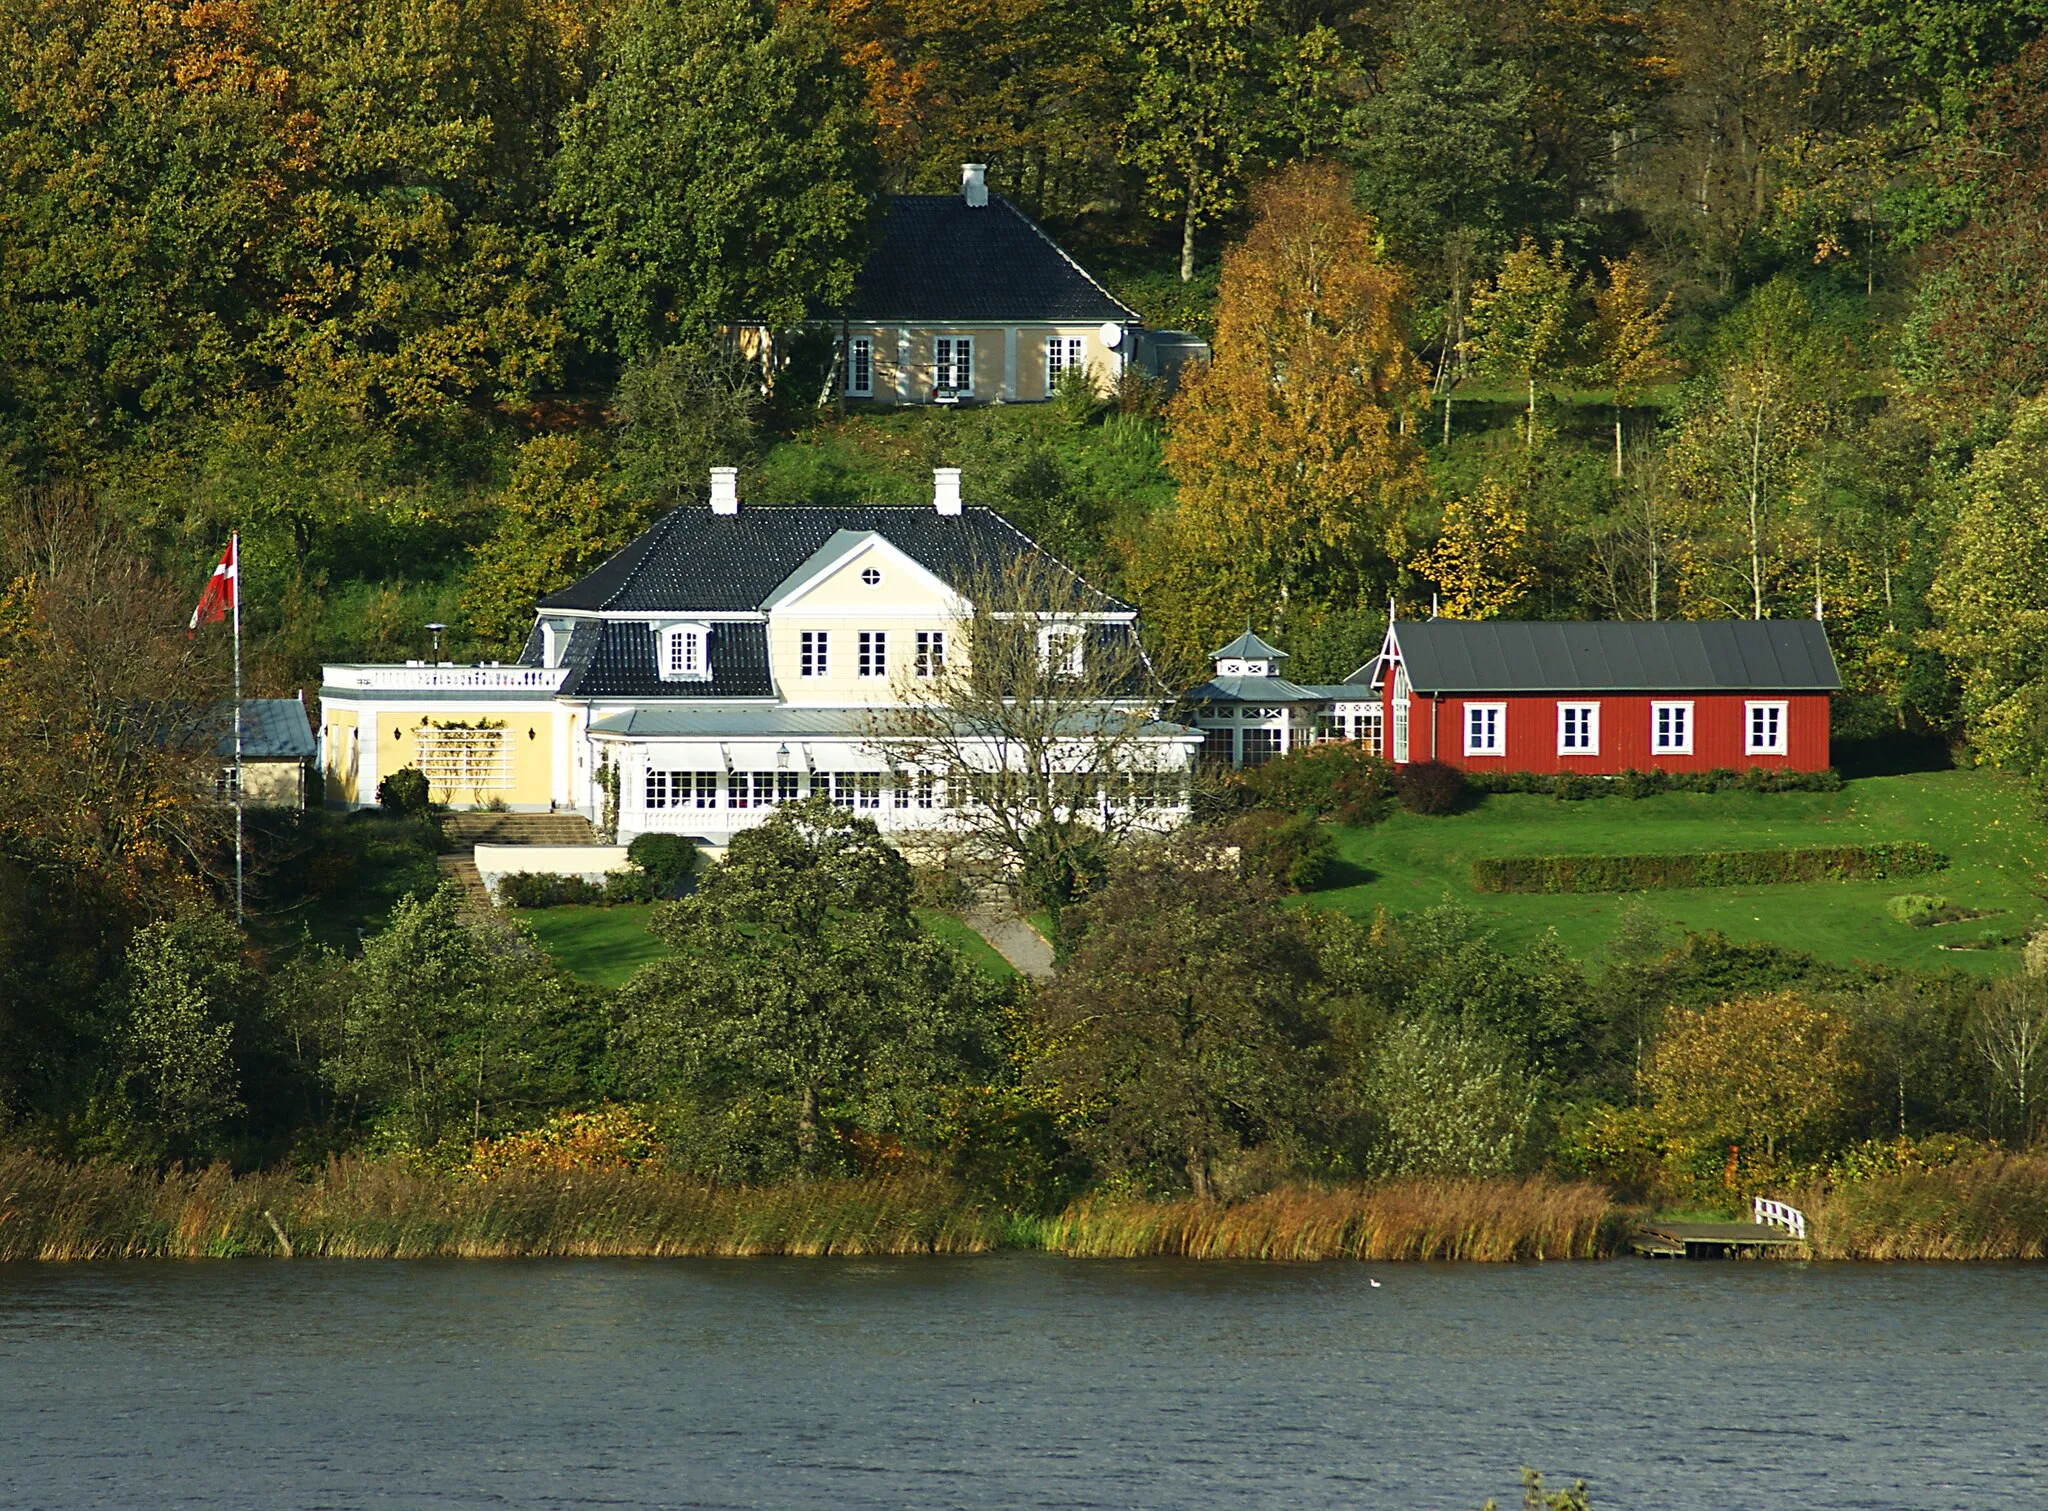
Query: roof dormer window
(685, 653)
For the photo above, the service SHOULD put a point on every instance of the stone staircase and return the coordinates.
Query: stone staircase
(461, 833)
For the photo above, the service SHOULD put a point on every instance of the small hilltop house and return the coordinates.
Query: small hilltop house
(965, 299)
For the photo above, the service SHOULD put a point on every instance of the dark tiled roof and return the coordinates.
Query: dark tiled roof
(694, 561)
(273, 729)
(941, 259)
(1732, 655)
(621, 664)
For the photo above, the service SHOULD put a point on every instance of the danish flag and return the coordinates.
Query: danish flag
(223, 589)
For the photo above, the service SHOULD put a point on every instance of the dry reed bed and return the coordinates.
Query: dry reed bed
(50, 1210)
(1989, 1209)
(1497, 1221)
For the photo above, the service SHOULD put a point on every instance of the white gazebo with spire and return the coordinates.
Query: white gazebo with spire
(1249, 713)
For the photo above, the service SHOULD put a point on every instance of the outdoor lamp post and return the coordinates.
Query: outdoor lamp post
(437, 628)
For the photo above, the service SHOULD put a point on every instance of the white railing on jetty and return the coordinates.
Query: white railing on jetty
(1777, 1215)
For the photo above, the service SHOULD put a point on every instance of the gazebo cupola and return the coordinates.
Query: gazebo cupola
(1248, 656)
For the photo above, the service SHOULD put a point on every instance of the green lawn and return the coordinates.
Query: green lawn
(605, 946)
(1982, 820)
(601, 945)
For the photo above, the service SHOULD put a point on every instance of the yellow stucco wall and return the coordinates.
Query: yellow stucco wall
(988, 359)
(513, 762)
(903, 603)
(338, 724)
(273, 784)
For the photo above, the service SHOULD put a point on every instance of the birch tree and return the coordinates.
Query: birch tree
(1630, 336)
(2010, 1035)
(1521, 321)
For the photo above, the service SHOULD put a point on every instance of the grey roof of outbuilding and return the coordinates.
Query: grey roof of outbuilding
(1720, 655)
(940, 259)
(694, 561)
(273, 729)
(740, 722)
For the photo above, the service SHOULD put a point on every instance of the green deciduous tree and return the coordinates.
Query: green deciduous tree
(1182, 1034)
(1770, 1072)
(1990, 596)
(805, 1003)
(1629, 352)
(682, 411)
(1522, 321)
(559, 517)
(1441, 1102)
(721, 170)
(1195, 103)
(186, 984)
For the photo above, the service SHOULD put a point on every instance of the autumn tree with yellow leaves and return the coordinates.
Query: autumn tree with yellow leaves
(1481, 561)
(1294, 474)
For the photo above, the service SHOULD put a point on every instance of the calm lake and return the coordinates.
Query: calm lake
(1020, 1380)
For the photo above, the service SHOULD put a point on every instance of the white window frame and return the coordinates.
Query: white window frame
(953, 359)
(1587, 734)
(872, 653)
(692, 644)
(1495, 744)
(1072, 661)
(860, 367)
(659, 789)
(931, 653)
(814, 653)
(1750, 710)
(704, 790)
(1682, 745)
(1063, 354)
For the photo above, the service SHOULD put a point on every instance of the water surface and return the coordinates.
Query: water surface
(1019, 1380)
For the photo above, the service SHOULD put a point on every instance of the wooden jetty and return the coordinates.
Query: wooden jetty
(1778, 1228)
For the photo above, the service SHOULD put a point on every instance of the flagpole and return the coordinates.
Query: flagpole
(235, 547)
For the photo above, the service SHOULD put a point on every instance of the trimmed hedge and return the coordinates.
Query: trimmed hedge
(551, 889)
(1707, 868)
(1576, 786)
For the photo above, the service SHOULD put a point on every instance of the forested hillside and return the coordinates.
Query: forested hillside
(1536, 308)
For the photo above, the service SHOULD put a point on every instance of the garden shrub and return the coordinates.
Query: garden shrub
(1707, 868)
(403, 792)
(1433, 787)
(547, 889)
(668, 860)
(1294, 853)
(1574, 786)
(1338, 777)
(1917, 908)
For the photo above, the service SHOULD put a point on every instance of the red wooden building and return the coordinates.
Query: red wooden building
(1601, 698)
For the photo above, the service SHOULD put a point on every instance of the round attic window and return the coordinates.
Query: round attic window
(872, 576)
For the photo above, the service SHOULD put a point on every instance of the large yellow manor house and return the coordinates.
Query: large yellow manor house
(728, 660)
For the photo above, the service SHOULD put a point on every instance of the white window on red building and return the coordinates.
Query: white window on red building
(1578, 729)
(1486, 726)
(1671, 728)
(1765, 723)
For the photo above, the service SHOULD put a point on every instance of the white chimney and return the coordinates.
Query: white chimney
(725, 490)
(946, 489)
(974, 185)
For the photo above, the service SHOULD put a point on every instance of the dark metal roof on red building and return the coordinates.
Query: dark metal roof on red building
(1714, 655)
(941, 259)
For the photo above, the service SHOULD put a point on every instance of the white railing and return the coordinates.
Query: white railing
(1776, 1214)
(426, 676)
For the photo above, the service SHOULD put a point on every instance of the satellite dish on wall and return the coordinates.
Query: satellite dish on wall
(1112, 334)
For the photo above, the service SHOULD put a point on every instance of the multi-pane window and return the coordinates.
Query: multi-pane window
(857, 789)
(663, 789)
(1671, 728)
(1766, 723)
(763, 789)
(1260, 746)
(1062, 649)
(860, 367)
(915, 789)
(1062, 356)
(953, 364)
(814, 653)
(1219, 746)
(1578, 729)
(873, 660)
(682, 655)
(1370, 728)
(705, 789)
(931, 652)
(1485, 728)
